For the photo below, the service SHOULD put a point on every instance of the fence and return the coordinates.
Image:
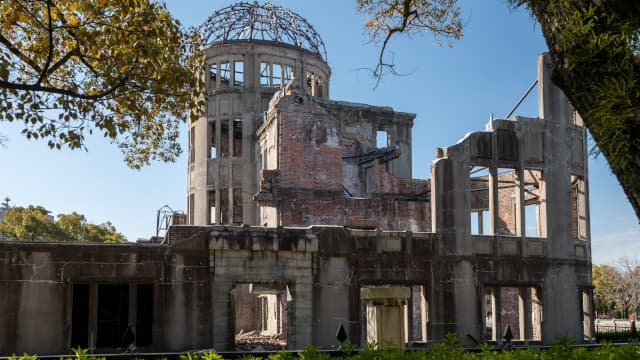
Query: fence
(615, 330)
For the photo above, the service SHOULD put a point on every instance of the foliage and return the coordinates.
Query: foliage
(209, 355)
(445, 350)
(604, 282)
(595, 47)
(122, 68)
(34, 223)
(617, 289)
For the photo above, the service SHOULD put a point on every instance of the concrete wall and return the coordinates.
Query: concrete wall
(230, 102)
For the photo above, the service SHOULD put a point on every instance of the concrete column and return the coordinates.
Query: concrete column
(561, 296)
(93, 316)
(497, 313)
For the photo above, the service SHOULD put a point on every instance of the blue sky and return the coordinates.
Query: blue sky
(452, 91)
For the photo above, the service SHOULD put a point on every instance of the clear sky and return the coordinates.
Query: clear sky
(452, 91)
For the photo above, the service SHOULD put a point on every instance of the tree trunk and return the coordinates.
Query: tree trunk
(592, 61)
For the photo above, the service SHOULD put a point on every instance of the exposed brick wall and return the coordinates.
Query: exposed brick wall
(510, 311)
(308, 186)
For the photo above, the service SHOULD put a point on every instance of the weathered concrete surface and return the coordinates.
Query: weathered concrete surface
(326, 275)
(232, 115)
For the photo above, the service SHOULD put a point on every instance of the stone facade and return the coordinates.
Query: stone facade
(303, 217)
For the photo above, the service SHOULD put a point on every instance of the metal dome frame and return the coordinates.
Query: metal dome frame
(245, 21)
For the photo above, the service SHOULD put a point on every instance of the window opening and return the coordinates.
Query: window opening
(212, 206)
(238, 73)
(382, 139)
(534, 199)
(489, 311)
(310, 79)
(508, 193)
(318, 88)
(144, 315)
(261, 315)
(113, 314)
(237, 206)
(587, 305)
(518, 308)
(578, 208)
(237, 137)
(286, 73)
(192, 144)
(574, 117)
(385, 313)
(419, 315)
(212, 141)
(213, 74)
(191, 208)
(224, 206)
(479, 200)
(224, 148)
(264, 74)
(225, 73)
(276, 75)
(80, 316)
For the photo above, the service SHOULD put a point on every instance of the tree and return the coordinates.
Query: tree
(617, 288)
(34, 223)
(30, 224)
(604, 282)
(595, 49)
(122, 68)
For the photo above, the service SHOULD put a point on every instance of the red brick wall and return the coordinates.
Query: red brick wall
(308, 185)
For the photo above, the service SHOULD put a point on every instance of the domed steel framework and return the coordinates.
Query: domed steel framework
(266, 22)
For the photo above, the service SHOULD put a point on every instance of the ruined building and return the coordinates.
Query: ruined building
(303, 217)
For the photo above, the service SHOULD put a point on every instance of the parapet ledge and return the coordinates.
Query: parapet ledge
(254, 238)
(347, 105)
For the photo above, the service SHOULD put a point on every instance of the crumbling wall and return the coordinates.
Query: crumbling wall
(329, 171)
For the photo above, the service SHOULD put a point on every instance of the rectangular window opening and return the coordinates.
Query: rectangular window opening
(479, 200)
(276, 75)
(265, 73)
(213, 153)
(144, 315)
(309, 80)
(224, 206)
(213, 74)
(578, 208)
(212, 206)
(237, 137)
(191, 205)
(419, 315)
(80, 316)
(113, 315)
(224, 147)
(587, 315)
(225, 73)
(261, 316)
(286, 73)
(237, 206)
(488, 311)
(238, 73)
(382, 139)
(534, 203)
(192, 144)
(508, 194)
(517, 308)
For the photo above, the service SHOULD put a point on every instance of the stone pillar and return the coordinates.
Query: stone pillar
(561, 304)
